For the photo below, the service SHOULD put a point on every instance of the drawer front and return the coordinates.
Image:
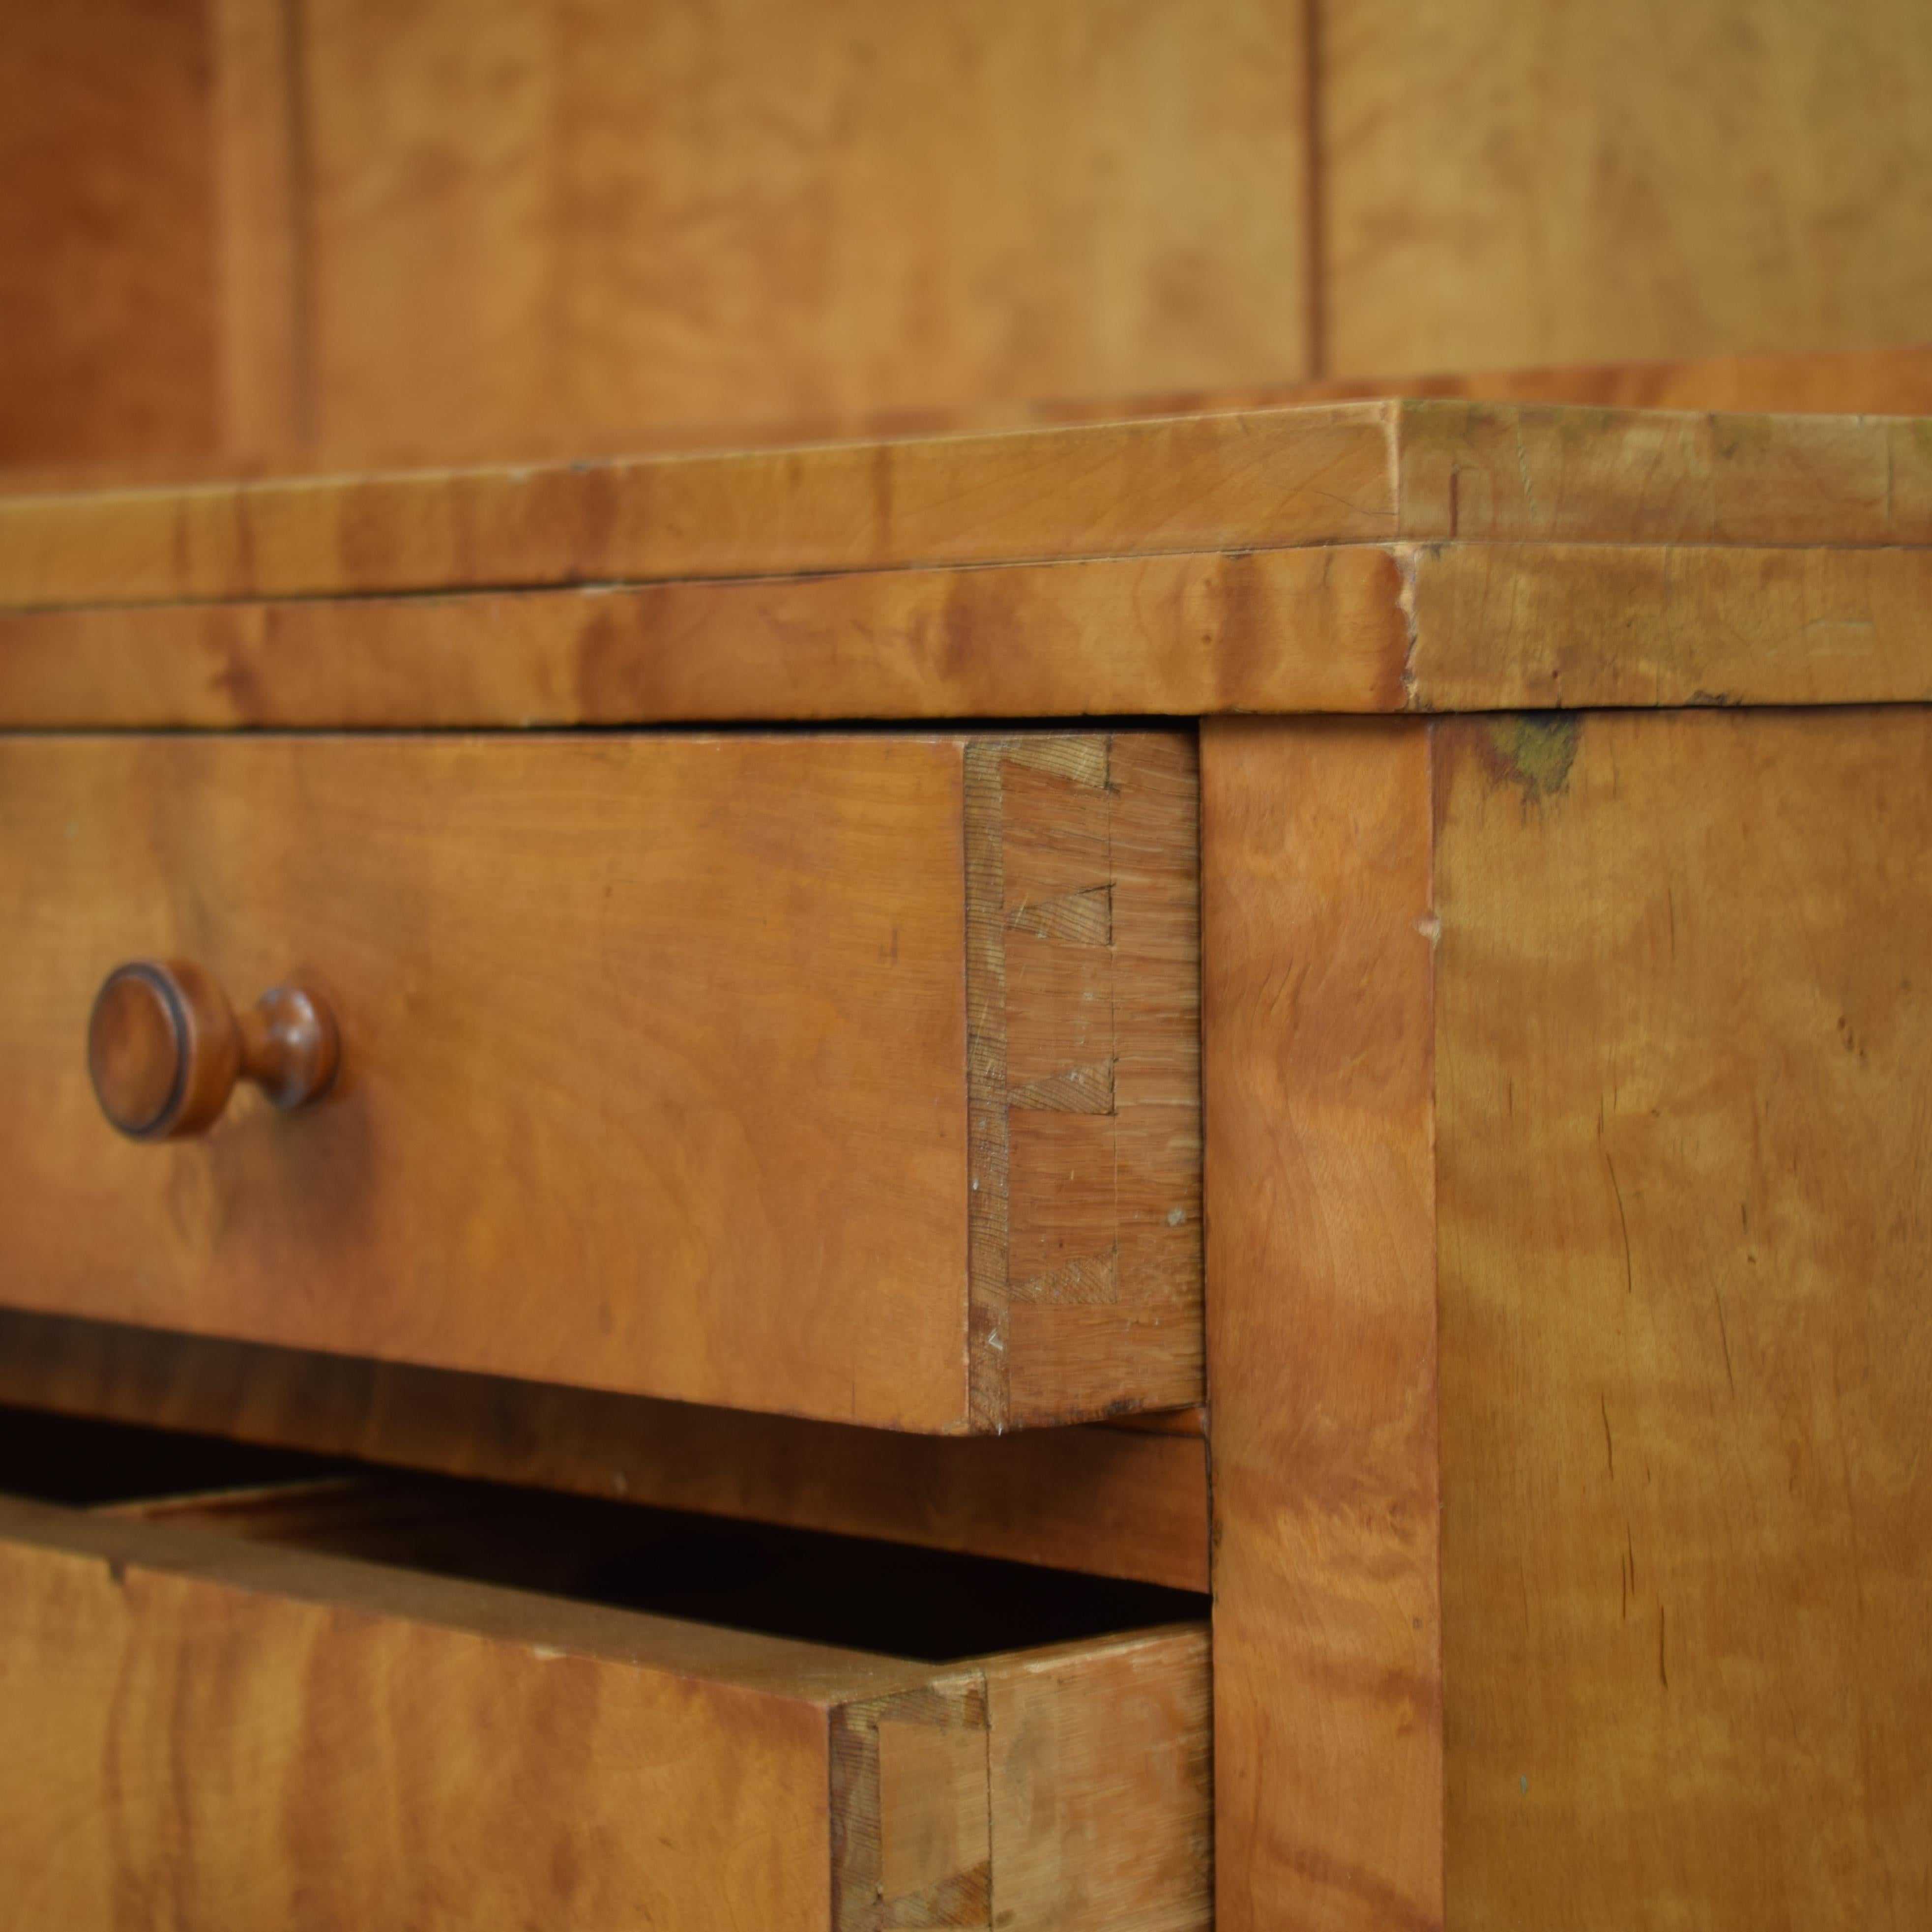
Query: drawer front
(849, 1076)
(199, 1730)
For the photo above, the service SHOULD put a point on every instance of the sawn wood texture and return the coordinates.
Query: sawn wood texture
(677, 1065)
(1419, 556)
(204, 1729)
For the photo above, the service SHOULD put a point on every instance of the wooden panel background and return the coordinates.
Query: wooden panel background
(1508, 182)
(234, 232)
(557, 215)
(108, 335)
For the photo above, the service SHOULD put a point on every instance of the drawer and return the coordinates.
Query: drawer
(247, 1711)
(851, 1075)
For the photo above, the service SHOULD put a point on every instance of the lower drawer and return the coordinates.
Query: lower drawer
(224, 1712)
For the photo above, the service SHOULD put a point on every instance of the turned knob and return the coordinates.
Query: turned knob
(165, 1048)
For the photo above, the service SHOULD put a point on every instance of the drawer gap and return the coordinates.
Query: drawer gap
(856, 1593)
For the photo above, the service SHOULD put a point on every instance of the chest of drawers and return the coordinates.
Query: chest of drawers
(1426, 919)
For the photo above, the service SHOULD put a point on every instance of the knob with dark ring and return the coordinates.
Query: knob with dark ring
(165, 1048)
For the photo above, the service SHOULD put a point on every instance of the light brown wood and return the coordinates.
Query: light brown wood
(1537, 473)
(1427, 471)
(1582, 1275)
(250, 1733)
(1506, 184)
(1547, 555)
(1111, 1500)
(1328, 1684)
(1178, 483)
(1683, 1049)
(1169, 636)
(527, 216)
(1347, 627)
(1106, 1746)
(262, 268)
(1891, 382)
(1894, 381)
(655, 1058)
(1565, 626)
(1082, 963)
(359, 1744)
(106, 233)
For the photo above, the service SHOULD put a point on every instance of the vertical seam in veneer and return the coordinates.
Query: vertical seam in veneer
(294, 80)
(1315, 237)
(1434, 916)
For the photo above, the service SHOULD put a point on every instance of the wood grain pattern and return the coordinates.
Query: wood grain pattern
(1684, 1047)
(1179, 484)
(220, 1729)
(1522, 472)
(1427, 471)
(530, 216)
(1437, 627)
(261, 270)
(653, 1057)
(1553, 556)
(1116, 1501)
(1100, 1766)
(1434, 627)
(1890, 381)
(1507, 184)
(1564, 626)
(1895, 382)
(1083, 951)
(1328, 1684)
(202, 1730)
(107, 234)
(679, 1023)
(1171, 636)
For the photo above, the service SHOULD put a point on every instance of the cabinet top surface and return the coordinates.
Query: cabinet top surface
(1374, 530)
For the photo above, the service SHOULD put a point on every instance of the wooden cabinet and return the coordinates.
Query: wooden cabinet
(1561, 801)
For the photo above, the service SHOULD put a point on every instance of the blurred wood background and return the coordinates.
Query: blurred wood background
(250, 232)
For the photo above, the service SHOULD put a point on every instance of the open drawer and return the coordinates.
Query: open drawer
(303, 1707)
(853, 1075)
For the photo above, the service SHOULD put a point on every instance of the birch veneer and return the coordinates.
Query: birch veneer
(1564, 1043)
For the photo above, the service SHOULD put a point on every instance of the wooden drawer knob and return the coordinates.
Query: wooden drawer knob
(165, 1048)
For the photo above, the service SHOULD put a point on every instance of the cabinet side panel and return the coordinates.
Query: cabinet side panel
(1322, 1324)
(1684, 1054)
